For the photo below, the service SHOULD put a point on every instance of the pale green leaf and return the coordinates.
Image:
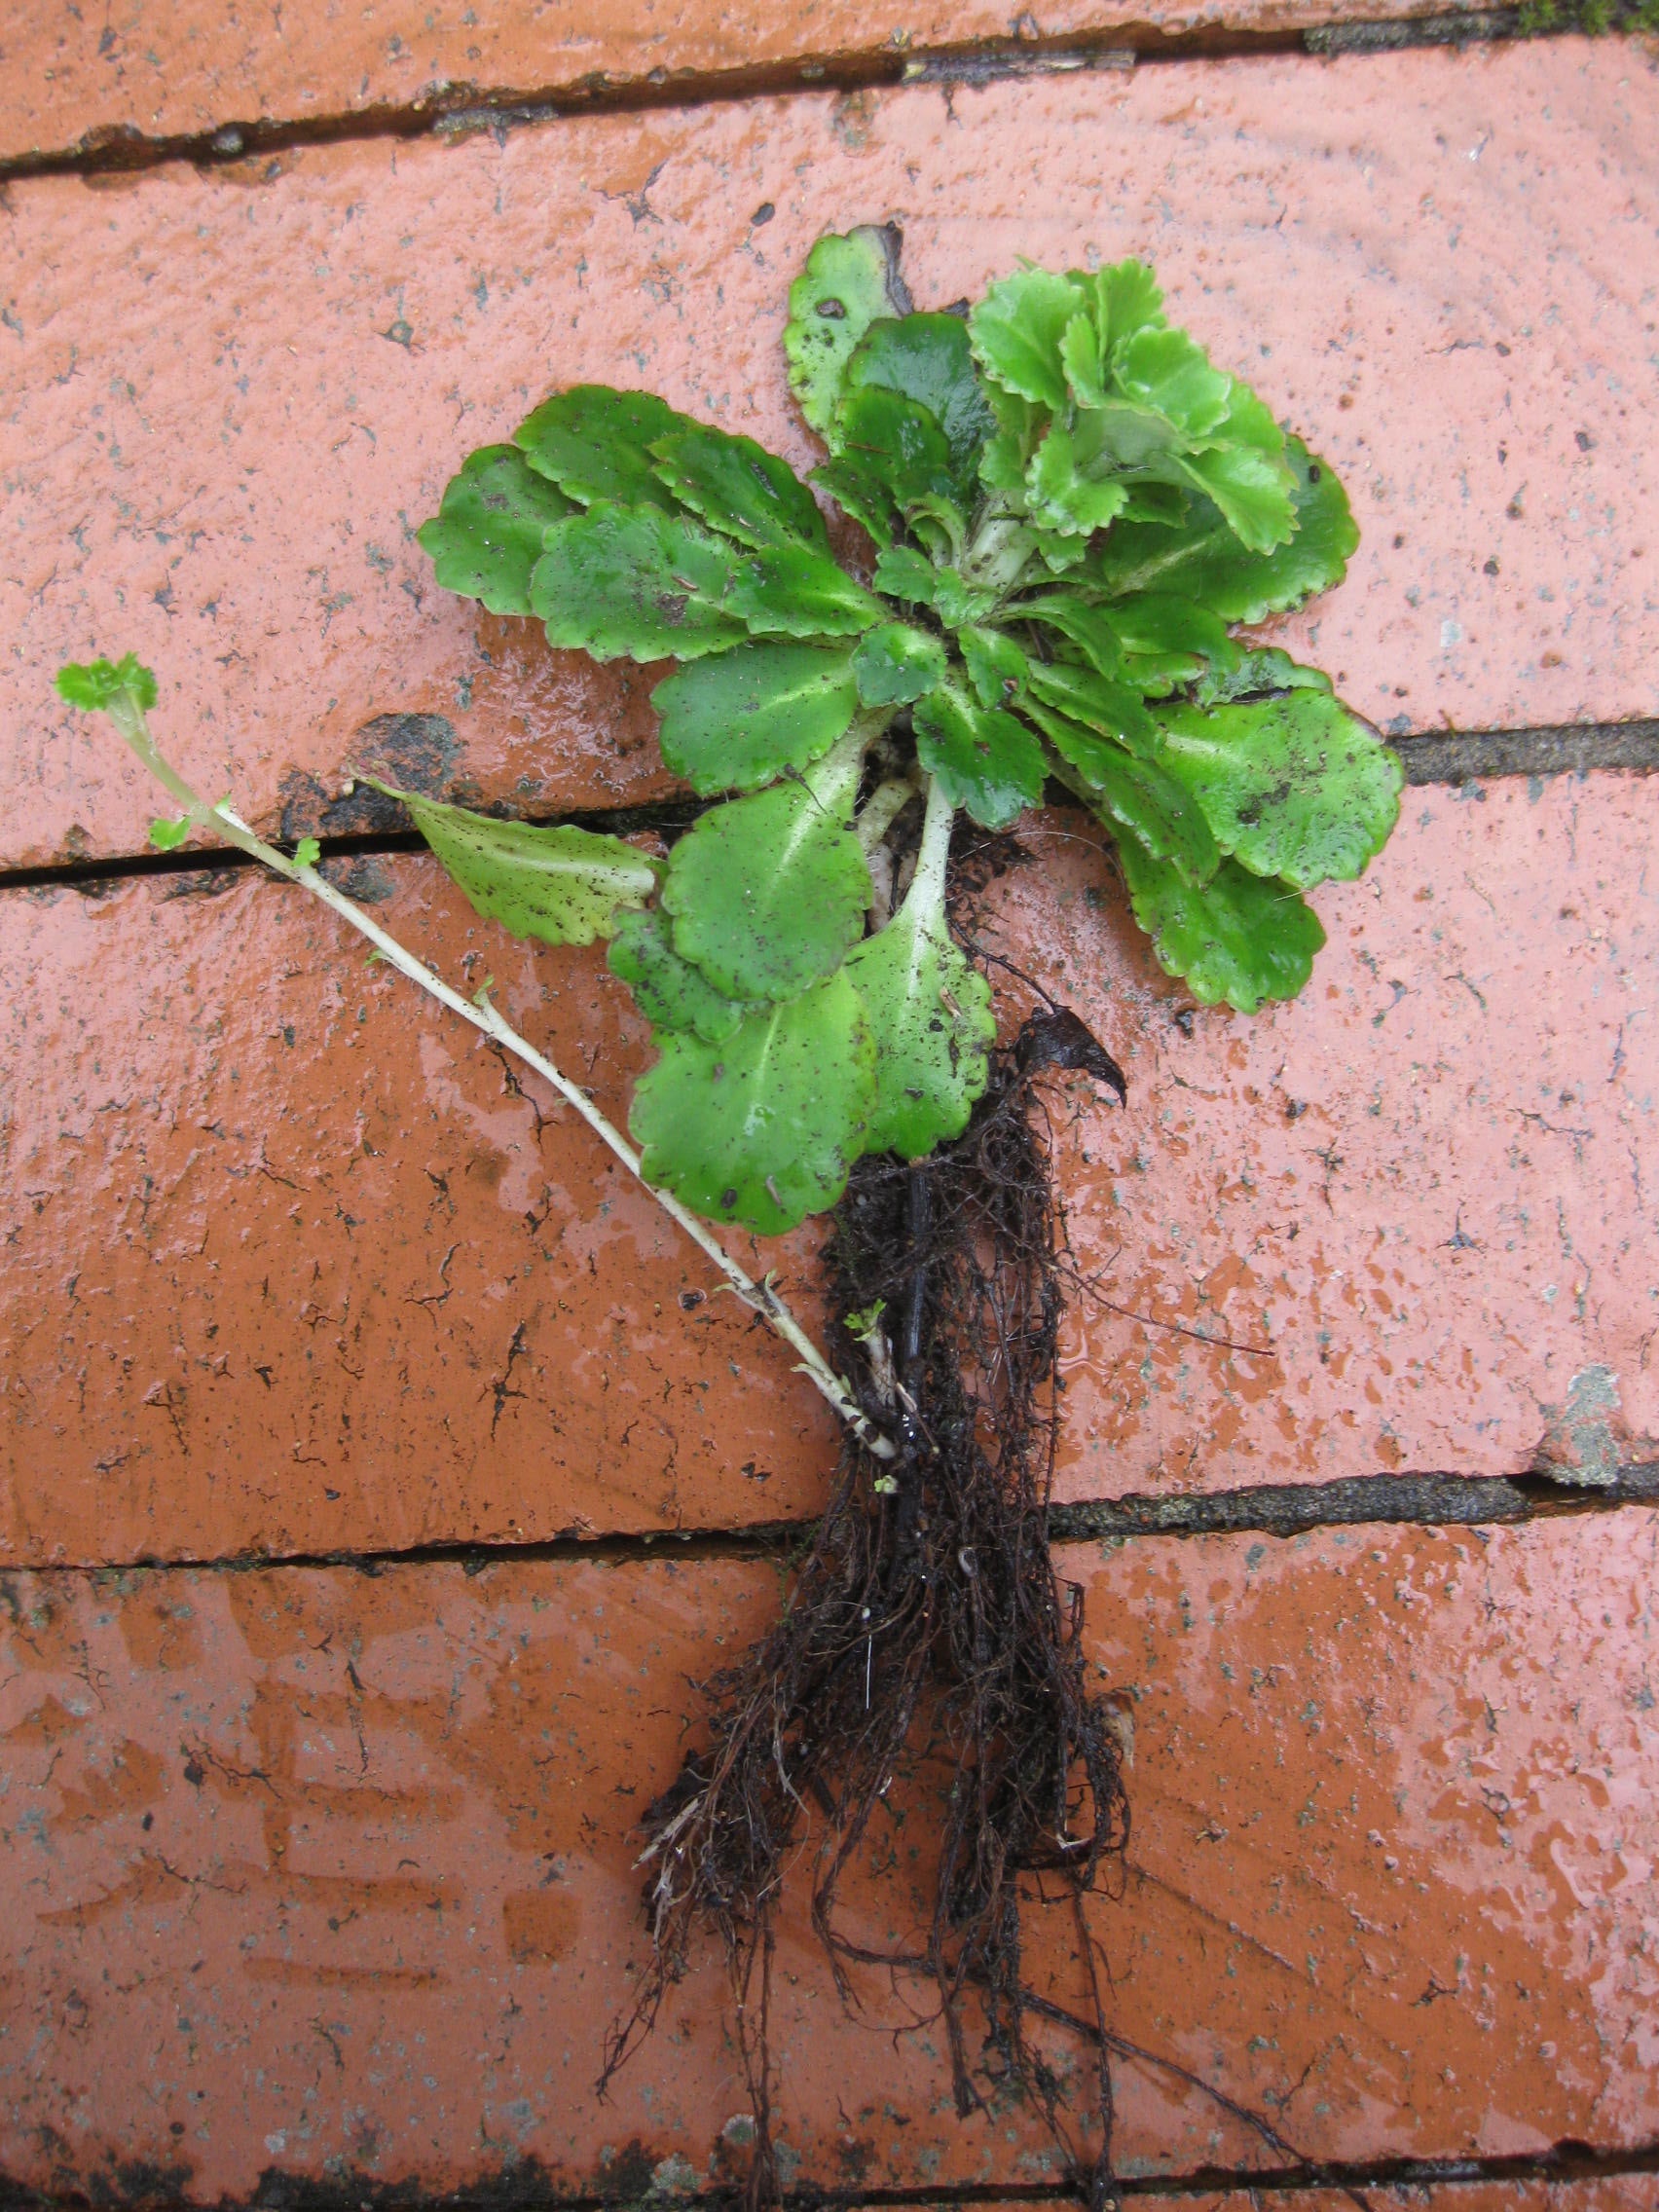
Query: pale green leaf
(307, 853)
(739, 489)
(595, 444)
(166, 836)
(1085, 626)
(996, 667)
(1080, 357)
(848, 282)
(559, 883)
(930, 1013)
(1238, 937)
(1166, 370)
(762, 1126)
(1203, 561)
(1294, 786)
(669, 991)
(486, 537)
(1016, 330)
(983, 757)
(1254, 490)
(742, 718)
(635, 580)
(1112, 708)
(768, 892)
(928, 358)
(97, 685)
(1061, 498)
(897, 664)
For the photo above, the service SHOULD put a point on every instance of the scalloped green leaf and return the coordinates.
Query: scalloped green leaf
(1061, 498)
(762, 1126)
(96, 685)
(848, 282)
(929, 359)
(1125, 297)
(1113, 709)
(768, 892)
(997, 669)
(1087, 627)
(929, 1015)
(1238, 937)
(1081, 359)
(894, 448)
(739, 489)
(1136, 795)
(1254, 490)
(669, 991)
(167, 835)
(487, 534)
(984, 758)
(1203, 561)
(861, 494)
(1294, 786)
(1167, 370)
(1258, 675)
(1168, 640)
(740, 718)
(791, 591)
(895, 664)
(1016, 332)
(558, 883)
(637, 581)
(595, 443)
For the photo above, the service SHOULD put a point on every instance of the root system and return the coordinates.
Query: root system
(925, 1622)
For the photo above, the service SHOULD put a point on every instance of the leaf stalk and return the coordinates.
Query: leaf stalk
(761, 1298)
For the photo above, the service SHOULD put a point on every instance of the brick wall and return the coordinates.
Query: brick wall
(330, 1354)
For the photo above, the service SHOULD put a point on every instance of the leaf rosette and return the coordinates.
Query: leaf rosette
(1066, 512)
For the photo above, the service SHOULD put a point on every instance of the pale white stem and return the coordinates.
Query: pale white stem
(880, 810)
(926, 885)
(482, 1016)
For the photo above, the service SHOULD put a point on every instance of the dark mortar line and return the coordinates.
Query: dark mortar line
(1276, 1509)
(459, 110)
(1452, 756)
(526, 2188)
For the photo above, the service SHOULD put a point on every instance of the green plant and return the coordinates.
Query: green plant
(1064, 512)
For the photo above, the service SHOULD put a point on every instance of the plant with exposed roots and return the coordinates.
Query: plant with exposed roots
(1023, 562)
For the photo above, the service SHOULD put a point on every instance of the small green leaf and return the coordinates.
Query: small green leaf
(1168, 640)
(930, 1013)
(768, 892)
(1135, 795)
(762, 1126)
(307, 853)
(740, 718)
(848, 282)
(860, 491)
(1203, 561)
(997, 669)
(1240, 938)
(1016, 330)
(1166, 370)
(864, 1322)
(902, 572)
(984, 758)
(1253, 491)
(894, 446)
(1080, 357)
(1084, 626)
(96, 685)
(1113, 709)
(1126, 298)
(897, 664)
(560, 884)
(1293, 786)
(635, 580)
(669, 991)
(486, 537)
(1258, 675)
(166, 836)
(595, 444)
(1061, 498)
(791, 591)
(928, 358)
(740, 488)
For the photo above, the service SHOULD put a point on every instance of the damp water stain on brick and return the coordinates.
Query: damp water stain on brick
(226, 475)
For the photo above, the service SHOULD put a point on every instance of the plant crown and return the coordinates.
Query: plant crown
(1064, 511)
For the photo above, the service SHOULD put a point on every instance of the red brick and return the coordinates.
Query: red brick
(244, 1272)
(169, 69)
(333, 1872)
(233, 393)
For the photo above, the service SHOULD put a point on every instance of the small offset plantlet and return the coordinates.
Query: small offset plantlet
(1021, 567)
